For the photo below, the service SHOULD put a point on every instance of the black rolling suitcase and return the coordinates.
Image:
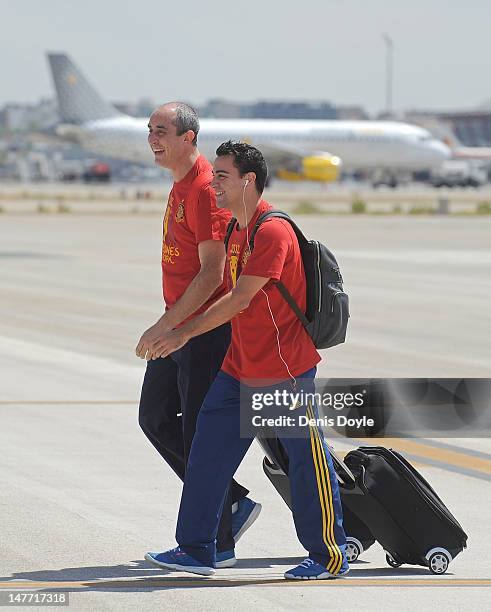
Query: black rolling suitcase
(275, 466)
(401, 509)
(383, 498)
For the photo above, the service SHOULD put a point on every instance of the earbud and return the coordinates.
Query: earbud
(246, 182)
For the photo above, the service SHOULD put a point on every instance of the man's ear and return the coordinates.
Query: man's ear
(189, 136)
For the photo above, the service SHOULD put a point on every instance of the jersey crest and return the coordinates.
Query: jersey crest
(245, 256)
(180, 213)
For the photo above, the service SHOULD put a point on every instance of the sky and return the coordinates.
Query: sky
(258, 49)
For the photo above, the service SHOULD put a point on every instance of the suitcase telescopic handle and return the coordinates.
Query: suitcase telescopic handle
(343, 473)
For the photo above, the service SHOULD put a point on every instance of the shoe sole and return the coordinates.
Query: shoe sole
(200, 570)
(325, 576)
(250, 520)
(225, 563)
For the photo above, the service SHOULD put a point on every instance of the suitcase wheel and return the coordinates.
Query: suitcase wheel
(438, 560)
(354, 548)
(391, 561)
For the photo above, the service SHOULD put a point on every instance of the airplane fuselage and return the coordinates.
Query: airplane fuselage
(363, 145)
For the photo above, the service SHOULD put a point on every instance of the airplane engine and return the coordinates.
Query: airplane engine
(70, 132)
(321, 167)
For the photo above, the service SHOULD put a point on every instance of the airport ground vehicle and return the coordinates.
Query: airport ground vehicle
(97, 173)
(459, 173)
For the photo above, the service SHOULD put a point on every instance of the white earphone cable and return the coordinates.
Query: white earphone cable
(294, 382)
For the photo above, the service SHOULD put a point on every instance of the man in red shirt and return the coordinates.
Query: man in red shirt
(268, 343)
(193, 259)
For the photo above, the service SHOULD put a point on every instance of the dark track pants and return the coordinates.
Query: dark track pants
(216, 454)
(172, 394)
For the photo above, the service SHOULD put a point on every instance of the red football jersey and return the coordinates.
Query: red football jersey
(191, 217)
(254, 351)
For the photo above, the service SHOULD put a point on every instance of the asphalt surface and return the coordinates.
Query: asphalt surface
(84, 495)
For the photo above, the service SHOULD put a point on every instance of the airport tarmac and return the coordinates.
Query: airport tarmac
(84, 495)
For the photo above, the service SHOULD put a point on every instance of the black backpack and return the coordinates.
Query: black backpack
(326, 317)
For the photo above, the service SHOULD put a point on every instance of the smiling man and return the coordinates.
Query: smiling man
(269, 343)
(193, 258)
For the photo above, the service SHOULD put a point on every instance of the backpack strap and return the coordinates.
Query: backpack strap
(301, 238)
(287, 296)
(228, 233)
(266, 215)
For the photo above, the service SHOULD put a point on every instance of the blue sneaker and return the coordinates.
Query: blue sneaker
(247, 512)
(177, 559)
(225, 559)
(310, 570)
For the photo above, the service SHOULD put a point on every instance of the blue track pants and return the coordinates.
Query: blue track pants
(217, 452)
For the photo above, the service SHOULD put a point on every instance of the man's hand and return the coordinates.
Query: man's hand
(149, 338)
(167, 343)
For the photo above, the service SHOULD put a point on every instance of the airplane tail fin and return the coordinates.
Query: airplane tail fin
(78, 101)
(443, 130)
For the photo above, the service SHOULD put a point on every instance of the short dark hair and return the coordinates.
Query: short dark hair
(186, 119)
(246, 159)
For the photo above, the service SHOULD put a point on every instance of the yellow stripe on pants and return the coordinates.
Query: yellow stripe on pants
(337, 557)
(325, 498)
(337, 566)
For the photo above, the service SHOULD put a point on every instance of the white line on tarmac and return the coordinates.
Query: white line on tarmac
(71, 360)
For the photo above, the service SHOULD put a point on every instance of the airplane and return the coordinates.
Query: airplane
(294, 149)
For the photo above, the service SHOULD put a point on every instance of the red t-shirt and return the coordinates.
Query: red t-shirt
(191, 217)
(253, 352)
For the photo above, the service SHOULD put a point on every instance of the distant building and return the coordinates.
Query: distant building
(16, 117)
(268, 109)
(142, 108)
(472, 128)
(125, 107)
(351, 113)
(223, 109)
(44, 114)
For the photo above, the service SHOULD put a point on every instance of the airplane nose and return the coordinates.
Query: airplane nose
(440, 151)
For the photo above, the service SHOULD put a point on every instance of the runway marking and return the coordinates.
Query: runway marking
(459, 449)
(65, 359)
(146, 583)
(441, 457)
